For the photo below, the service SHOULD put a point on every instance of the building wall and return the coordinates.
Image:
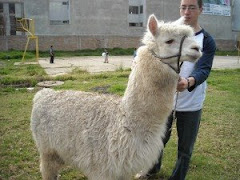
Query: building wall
(87, 17)
(105, 24)
(69, 43)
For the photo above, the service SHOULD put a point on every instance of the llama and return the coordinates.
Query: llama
(108, 137)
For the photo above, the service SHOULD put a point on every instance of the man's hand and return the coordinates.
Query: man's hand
(185, 83)
(182, 84)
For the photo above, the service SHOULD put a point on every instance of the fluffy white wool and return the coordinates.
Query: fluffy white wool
(108, 137)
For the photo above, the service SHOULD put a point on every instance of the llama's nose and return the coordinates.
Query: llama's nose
(196, 48)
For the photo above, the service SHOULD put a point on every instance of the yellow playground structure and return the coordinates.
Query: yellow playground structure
(27, 25)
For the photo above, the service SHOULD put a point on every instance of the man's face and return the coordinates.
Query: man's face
(190, 10)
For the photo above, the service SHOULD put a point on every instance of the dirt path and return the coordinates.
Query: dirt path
(94, 64)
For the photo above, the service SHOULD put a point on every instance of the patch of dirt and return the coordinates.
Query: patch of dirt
(2, 64)
(50, 83)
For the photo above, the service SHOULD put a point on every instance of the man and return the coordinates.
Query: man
(51, 55)
(191, 93)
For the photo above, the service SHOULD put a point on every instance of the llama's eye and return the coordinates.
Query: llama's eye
(170, 41)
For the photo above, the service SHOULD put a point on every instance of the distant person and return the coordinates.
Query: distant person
(105, 55)
(51, 52)
(134, 59)
(135, 52)
(238, 42)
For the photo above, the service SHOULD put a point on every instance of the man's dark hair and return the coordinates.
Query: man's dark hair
(200, 3)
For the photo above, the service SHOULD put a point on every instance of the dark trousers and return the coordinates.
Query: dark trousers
(51, 59)
(187, 130)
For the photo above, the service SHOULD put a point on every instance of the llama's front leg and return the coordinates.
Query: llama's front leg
(50, 165)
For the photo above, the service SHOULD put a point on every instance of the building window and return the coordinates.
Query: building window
(133, 9)
(135, 17)
(136, 24)
(59, 12)
(8, 19)
(65, 3)
(141, 9)
(11, 8)
(12, 19)
(1, 7)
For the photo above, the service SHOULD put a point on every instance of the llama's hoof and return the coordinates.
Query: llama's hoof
(141, 176)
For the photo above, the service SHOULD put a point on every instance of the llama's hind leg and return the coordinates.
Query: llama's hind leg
(50, 165)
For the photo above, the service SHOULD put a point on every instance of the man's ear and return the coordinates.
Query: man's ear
(153, 24)
(200, 10)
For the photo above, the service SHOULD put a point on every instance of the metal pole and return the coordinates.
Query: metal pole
(26, 46)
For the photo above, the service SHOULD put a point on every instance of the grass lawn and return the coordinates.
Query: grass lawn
(216, 154)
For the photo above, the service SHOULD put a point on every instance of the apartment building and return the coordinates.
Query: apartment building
(90, 24)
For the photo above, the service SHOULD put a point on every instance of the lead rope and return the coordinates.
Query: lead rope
(175, 107)
(179, 66)
(174, 117)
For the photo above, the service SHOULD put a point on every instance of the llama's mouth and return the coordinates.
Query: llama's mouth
(193, 57)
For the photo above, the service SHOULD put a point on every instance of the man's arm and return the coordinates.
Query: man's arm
(203, 67)
(204, 64)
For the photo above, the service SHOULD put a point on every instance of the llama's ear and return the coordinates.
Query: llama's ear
(153, 24)
(180, 21)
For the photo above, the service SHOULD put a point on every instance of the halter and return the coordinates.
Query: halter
(177, 71)
(179, 54)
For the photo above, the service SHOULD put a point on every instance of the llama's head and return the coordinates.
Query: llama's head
(168, 41)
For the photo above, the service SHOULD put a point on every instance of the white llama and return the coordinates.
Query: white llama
(108, 137)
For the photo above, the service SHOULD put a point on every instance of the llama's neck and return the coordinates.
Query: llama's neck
(149, 92)
(143, 112)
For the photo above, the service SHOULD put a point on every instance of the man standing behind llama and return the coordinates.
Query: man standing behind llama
(192, 88)
(51, 52)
